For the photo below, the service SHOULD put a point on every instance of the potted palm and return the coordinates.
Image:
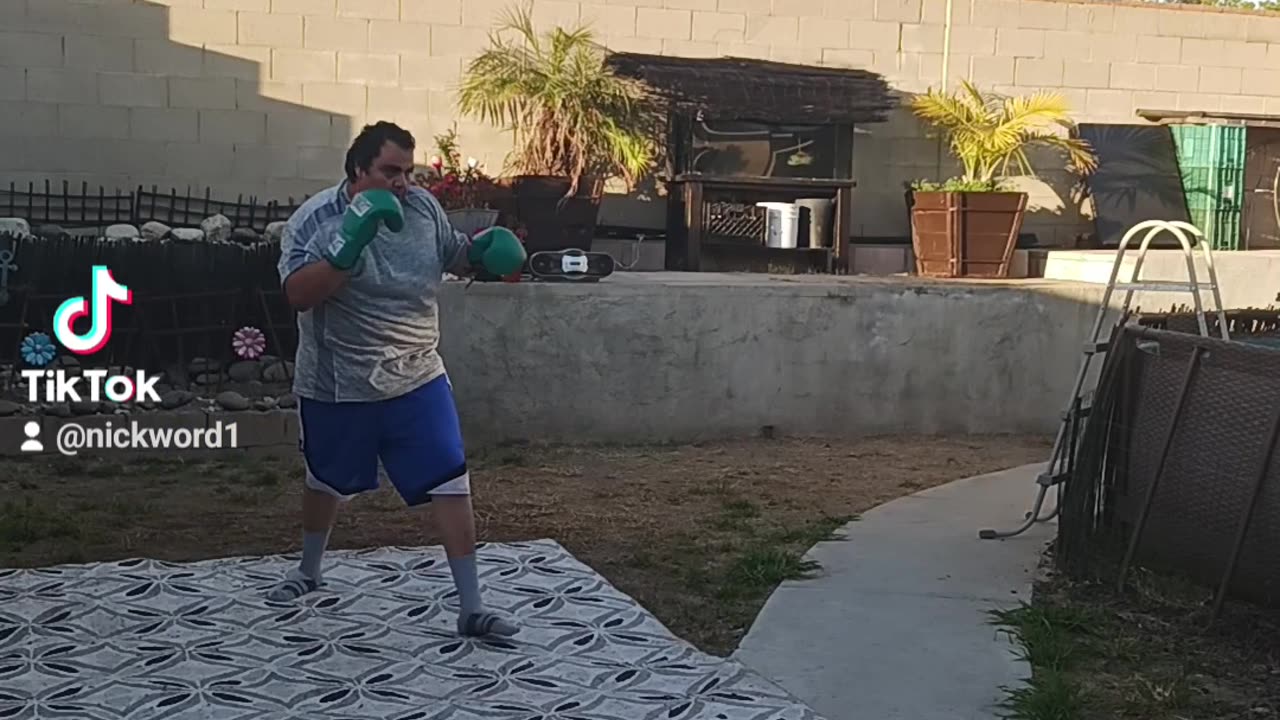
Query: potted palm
(968, 226)
(576, 124)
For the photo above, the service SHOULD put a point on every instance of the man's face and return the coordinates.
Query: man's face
(391, 170)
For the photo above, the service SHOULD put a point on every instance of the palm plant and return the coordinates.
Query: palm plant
(988, 135)
(570, 114)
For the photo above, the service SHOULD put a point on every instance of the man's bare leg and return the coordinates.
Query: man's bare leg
(319, 510)
(455, 519)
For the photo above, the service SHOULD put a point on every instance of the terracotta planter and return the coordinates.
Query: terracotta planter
(965, 234)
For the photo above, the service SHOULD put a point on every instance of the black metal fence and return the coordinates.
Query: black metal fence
(68, 207)
(1177, 469)
(188, 299)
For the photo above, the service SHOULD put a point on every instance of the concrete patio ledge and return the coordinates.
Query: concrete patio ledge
(897, 625)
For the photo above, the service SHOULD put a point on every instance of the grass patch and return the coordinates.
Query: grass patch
(761, 568)
(25, 522)
(1146, 654)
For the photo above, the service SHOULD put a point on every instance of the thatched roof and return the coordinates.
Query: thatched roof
(761, 90)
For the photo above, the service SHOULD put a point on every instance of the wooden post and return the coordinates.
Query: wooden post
(843, 227)
(693, 225)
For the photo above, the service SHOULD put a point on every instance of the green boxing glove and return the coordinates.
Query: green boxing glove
(497, 250)
(360, 224)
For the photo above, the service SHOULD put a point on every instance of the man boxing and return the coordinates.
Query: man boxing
(362, 262)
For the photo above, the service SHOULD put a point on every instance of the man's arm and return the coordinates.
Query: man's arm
(454, 246)
(495, 250)
(315, 258)
(456, 257)
(307, 278)
(312, 284)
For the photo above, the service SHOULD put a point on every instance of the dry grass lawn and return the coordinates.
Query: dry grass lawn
(698, 534)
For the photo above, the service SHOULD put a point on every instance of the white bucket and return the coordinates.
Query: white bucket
(782, 224)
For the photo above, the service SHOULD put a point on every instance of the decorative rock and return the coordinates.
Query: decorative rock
(265, 403)
(67, 361)
(50, 232)
(247, 236)
(155, 230)
(174, 375)
(108, 407)
(8, 407)
(245, 371)
(148, 405)
(210, 378)
(217, 228)
(275, 231)
(175, 399)
(84, 407)
(15, 226)
(287, 401)
(268, 359)
(232, 400)
(203, 365)
(278, 372)
(122, 231)
(187, 234)
(60, 410)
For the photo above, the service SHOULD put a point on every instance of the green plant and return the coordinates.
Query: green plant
(455, 183)
(990, 134)
(571, 115)
(958, 185)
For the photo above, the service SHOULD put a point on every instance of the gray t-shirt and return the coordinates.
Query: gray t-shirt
(376, 337)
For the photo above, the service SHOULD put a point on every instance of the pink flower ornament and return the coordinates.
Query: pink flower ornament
(249, 343)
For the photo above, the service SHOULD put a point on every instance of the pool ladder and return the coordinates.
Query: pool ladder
(1059, 469)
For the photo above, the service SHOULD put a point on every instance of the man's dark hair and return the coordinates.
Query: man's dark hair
(369, 143)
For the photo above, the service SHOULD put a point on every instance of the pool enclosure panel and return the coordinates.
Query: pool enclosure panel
(1211, 159)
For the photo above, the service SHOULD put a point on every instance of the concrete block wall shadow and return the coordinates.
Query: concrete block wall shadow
(122, 94)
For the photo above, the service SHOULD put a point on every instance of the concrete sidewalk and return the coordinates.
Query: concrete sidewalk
(896, 626)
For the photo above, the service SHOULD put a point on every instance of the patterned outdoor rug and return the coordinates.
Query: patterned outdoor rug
(144, 639)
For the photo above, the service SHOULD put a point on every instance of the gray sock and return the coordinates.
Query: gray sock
(306, 577)
(467, 582)
(473, 618)
(313, 545)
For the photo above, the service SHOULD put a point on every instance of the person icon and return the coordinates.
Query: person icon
(32, 443)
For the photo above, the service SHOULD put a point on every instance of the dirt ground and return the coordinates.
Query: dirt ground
(698, 534)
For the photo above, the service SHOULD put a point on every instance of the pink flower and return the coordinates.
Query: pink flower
(249, 343)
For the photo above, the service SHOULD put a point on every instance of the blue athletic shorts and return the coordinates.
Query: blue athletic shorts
(416, 436)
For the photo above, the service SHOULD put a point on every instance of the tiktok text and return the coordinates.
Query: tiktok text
(59, 386)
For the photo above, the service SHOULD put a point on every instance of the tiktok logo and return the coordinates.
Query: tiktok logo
(105, 290)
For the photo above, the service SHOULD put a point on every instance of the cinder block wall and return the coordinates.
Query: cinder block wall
(263, 96)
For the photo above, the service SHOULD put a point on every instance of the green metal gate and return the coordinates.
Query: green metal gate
(1211, 161)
